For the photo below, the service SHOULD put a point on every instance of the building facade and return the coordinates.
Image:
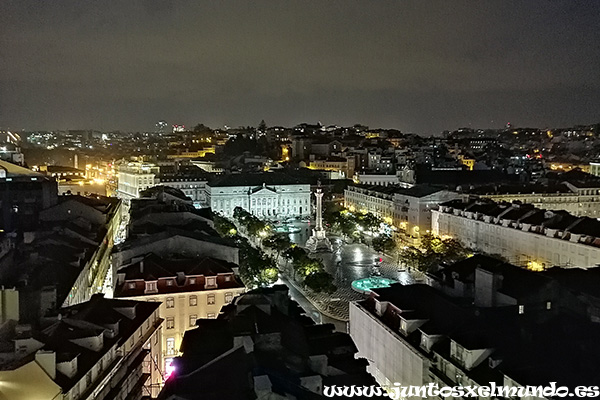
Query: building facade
(408, 210)
(267, 195)
(134, 177)
(377, 200)
(103, 349)
(187, 290)
(577, 199)
(525, 235)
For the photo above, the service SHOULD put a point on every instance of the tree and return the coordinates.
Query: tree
(383, 243)
(262, 127)
(278, 242)
(201, 128)
(224, 227)
(320, 281)
(369, 221)
(433, 252)
(256, 268)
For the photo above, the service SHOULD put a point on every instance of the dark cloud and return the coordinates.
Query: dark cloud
(418, 66)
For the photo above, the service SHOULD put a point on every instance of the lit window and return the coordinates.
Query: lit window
(210, 299)
(211, 282)
(193, 319)
(151, 287)
(169, 282)
(170, 302)
(228, 297)
(210, 315)
(193, 300)
(521, 309)
(192, 281)
(548, 305)
(170, 346)
(131, 285)
(227, 278)
(170, 322)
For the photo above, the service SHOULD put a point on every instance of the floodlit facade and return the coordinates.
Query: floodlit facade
(409, 210)
(187, 290)
(134, 177)
(525, 235)
(267, 195)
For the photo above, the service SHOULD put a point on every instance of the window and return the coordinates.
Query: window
(228, 297)
(227, 278)
(192, 281)
(151, 287)
(169, 282)
(211, 282)
(131, 285)
(170, 322)
(193, 300)
(88, 379)
(210, 315)
(170, 302)
(521, 309)
(548, 305)
(193, 319)
(210, 299)
(170, 346)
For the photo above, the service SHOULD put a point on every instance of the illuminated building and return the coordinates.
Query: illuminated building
(266, 195)
(102, 349)
(409, 210)
(187, 289)
(178, 128)
(135, 176)
(522, 233)
(264, 347)
(185, 155)
(345, 165)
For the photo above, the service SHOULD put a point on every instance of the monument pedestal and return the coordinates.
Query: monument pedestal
(318, 242)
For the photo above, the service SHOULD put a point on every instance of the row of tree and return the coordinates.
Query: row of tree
(310, 271)
(257, 269)
(254, 226)
(351, 224)
(433, 252)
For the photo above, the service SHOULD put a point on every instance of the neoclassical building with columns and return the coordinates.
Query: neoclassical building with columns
(267, 195)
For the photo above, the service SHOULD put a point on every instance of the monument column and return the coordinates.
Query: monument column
(318, 241)
(319, 217)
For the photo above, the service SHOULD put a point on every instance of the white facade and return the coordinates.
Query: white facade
(517, 242)
(580, 202)
(378, 179)
(180, 312)
(134, 177)
(195, 189)
(391, 358)
(377, 202)
(273, 201)
(409, 210)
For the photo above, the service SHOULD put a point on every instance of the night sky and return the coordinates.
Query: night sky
(418, 66)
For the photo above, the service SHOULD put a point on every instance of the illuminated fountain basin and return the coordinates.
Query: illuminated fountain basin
(365, 285)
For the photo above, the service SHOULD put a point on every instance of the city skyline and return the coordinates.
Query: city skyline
(420, 68)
